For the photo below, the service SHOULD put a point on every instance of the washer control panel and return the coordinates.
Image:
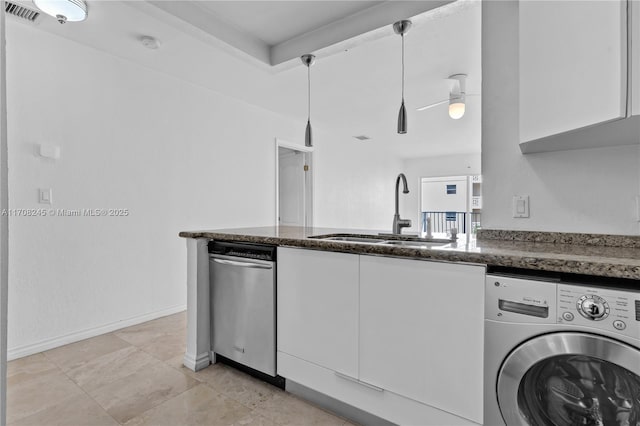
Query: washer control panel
(599, 307)
(510, 298)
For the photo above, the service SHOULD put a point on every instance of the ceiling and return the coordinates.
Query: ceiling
(300, 17)
(355, 82)
(277, 31)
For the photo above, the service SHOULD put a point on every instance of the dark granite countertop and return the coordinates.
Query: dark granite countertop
(510, 250)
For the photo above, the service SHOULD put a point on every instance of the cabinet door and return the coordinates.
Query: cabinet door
(572, 65)
(421, 331)
(318, 308)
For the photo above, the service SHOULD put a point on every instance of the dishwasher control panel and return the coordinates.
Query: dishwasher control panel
(246, 250)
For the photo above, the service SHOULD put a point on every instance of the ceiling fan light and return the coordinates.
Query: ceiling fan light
(457, 96)
(63, 10)
(456, 109)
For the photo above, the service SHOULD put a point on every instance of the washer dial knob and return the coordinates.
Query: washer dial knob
(593, 307)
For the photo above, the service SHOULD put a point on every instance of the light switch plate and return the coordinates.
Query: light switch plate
(520, 206)
(44, 196)
(638, 208)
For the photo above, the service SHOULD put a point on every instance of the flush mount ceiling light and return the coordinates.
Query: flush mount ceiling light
(63, 10)
(308, 60)
(401, 28)
(457, 97)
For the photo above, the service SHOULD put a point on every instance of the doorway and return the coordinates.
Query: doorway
(294, 185)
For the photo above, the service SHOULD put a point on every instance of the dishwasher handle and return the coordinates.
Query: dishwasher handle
(266, 265)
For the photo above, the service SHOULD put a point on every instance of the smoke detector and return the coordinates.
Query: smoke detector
(150, 42)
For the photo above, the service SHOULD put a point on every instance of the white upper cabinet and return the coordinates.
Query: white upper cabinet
(573, 65)
(318, 308)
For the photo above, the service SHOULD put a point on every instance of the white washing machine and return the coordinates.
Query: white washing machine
(561, 354)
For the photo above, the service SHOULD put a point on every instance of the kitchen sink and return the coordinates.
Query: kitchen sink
(415, 244)
(411, 242)
(350, 239)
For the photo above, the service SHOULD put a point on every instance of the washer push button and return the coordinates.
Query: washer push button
(619, 325)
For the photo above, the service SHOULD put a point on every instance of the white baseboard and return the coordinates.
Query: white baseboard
(44, 345)
(196, 363)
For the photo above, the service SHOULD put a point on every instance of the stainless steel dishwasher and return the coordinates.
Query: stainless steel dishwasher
(243, 301)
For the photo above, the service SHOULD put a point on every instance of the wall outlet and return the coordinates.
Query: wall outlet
(520, 206)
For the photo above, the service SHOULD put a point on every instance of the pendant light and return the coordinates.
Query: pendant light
(63, 10)
(308, 60)
(402, 27)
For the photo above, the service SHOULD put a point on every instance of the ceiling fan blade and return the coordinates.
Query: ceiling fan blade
(422, 108)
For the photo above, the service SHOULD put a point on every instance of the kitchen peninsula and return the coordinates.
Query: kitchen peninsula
(616, 256)
(368, 291)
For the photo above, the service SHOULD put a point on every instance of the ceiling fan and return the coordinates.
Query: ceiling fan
(457, 96)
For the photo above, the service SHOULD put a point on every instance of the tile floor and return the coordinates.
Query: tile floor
(135, 376)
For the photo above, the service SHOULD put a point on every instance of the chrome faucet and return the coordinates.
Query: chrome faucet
(398, 223)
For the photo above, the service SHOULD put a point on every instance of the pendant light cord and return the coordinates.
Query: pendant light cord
(309, 92)
(402, 35)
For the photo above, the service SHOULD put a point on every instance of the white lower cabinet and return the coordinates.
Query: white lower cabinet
(421, 331)
(317, 307)
(387, 405)
(398, 338)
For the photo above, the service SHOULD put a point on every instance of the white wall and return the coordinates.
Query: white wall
(415, 169)
(591, 190)
(354, 184)
(177, 155)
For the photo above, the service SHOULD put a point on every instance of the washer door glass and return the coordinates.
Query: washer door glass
(570, 379)
(578, 390)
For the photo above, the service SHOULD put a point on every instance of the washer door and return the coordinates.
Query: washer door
(570, 379)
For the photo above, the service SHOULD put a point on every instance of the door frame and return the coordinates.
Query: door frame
(4, 222)
(309, 192)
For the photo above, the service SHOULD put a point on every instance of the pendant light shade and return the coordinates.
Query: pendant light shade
(308, 60)
(402, 119)
(308, 138)
(401, 28)
(63, 10)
